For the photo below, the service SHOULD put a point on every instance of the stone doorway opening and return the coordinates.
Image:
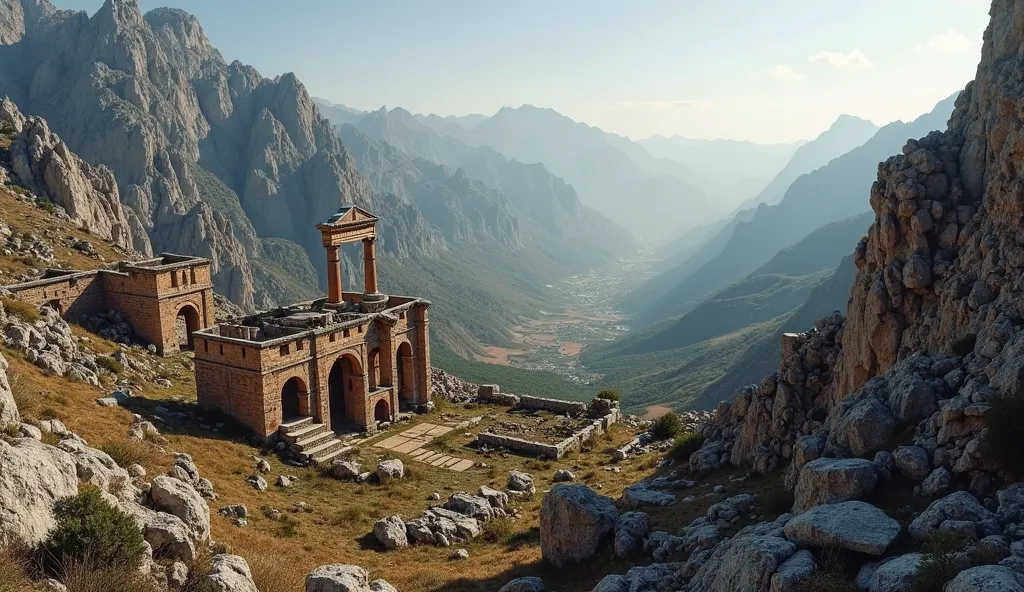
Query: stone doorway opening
(381, 412)
(406, 374)
(291, 393)
(185, 323)
(344, 390)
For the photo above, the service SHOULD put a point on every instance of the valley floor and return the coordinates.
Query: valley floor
(592, 315)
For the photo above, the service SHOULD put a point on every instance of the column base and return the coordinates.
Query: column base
(374, 302)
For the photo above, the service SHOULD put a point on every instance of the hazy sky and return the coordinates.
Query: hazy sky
(761, 70)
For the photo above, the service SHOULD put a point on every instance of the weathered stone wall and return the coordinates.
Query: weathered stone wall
(78, 296)
(554, 451)
(553, 405)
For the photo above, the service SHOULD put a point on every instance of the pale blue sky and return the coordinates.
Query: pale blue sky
(762, 70)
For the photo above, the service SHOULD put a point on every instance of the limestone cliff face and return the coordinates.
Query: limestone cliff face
(940, 268)
(151, 98)
(45, 165)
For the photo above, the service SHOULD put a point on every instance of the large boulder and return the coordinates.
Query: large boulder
(639, 495)
(228, 573)
(389, 470)
(854, 525)
(338, 578)
(9, 416)
(793, 572)
(574, 521)
(33, 476)
(859, 427)
(987, 578)
(98, 468)
(912, 462)
(391, 532)
(955, 506)
(630, 530)
(521, 482)
(746, 562)
(896, 575)
(175, 497)
(166, 533)
(833, 480)
(530, 584)
(473, 506)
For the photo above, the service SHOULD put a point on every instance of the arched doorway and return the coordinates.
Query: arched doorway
(381, 411)
(406, 373)
(345, 391)
(185, 323)
(373, 361)
(290, 393)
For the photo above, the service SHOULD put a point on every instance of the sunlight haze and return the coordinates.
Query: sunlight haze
(761, 71)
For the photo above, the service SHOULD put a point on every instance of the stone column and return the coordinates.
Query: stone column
(333, 275)
(370, 265)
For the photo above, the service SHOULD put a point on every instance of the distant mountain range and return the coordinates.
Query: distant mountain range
(833, 192)
(725, 162)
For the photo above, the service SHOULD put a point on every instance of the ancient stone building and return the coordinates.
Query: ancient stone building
(350, 360)
(165, 299)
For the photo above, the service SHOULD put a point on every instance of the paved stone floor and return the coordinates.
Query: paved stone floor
(411, 443)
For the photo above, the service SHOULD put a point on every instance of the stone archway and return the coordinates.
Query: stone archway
(406, 374)
(381, 411)
(186, 322)
(346, 394)
(291, 395)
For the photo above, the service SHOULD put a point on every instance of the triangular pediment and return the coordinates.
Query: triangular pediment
(349, 214)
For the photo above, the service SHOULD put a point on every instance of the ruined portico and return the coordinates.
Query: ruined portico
(349, 360)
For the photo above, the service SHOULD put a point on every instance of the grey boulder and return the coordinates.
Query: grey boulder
(854, 525)
(833, 480)
(574, 521)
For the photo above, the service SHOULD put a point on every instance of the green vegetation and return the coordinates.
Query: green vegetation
(45, 205)
(1005, 423)
(513, 380)
(608, 393)
(20, 309)
(90, 530)
(667, 426)
(685, 445)
(109, 364)
(937, 566)
(675, 377)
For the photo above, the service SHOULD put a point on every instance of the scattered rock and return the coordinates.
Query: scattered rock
(833, 480)
(390, 532)
(520, 481)
(531, 584)
(388, 470)
(854, 525)
(459, 555)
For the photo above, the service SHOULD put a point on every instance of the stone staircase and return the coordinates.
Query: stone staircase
(311, 441)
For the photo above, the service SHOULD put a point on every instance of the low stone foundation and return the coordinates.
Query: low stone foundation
(554, 451)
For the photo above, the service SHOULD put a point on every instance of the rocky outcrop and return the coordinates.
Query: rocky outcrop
(228, 573)
(854, 525)
(344, 578)
(34, 476)
(44, 165)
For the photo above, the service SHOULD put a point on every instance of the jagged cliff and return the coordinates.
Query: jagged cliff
(151, 98)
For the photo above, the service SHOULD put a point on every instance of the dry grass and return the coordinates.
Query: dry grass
(271, 575)
(13, 572)
(128, 451)
(20, 309)
(82, 576)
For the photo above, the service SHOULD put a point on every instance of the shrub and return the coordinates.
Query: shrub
(498, 530)
(1005, 423)
(109, 364)
(608, 393)
(92, 533)
(832, 574)
(49, 413)
(666, 426)
(45, 205)
(937, 566)
(20, 309)
(685, 445)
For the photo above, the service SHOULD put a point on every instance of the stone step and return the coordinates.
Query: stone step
(295, 424)
(305, 432)
(322, 449)
(307, 442)
(327, 457)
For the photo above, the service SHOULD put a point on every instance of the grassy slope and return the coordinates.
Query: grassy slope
(676, 377)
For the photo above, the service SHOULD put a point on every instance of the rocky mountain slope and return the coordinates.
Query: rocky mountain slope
(829, 194)
(896, 426)
(845, 134)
